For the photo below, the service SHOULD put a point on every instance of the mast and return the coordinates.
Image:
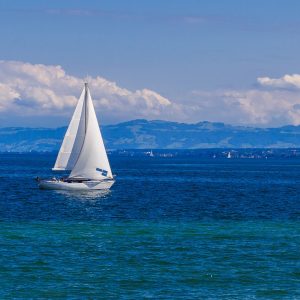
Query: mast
(85, 105)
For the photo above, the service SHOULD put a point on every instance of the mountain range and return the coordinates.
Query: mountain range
(143, 134)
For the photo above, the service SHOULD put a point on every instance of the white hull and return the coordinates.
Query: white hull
(86, 185)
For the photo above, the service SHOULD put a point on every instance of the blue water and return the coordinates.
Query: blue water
(170, 228)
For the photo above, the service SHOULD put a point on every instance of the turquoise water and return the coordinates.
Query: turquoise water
(169, 229)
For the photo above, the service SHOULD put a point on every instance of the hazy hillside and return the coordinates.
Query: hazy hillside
(141, 134)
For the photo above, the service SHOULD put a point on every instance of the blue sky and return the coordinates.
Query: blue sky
(192, 53)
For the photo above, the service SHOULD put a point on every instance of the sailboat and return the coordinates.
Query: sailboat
(82, 152)
(151, 154)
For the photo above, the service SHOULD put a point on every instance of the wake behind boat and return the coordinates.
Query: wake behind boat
(82, 152)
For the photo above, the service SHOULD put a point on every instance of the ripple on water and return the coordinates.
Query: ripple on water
(187, 230)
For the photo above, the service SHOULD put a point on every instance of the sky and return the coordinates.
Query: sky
(232, 61)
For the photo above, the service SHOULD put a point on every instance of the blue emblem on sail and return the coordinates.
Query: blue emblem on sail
(103, 172)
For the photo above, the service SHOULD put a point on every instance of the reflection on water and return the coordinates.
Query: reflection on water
(88, 195)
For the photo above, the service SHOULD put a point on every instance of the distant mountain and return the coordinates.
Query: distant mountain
(139, 134)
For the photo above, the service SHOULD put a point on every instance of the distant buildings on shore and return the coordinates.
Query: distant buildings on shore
(210, 153)
(216, 153)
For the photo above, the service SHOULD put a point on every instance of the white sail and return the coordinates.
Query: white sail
(74, 138)
(92, 162)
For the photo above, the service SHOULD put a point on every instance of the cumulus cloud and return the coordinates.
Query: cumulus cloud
(42, 92)
(37, 89)
(287, 81)
(256, 107)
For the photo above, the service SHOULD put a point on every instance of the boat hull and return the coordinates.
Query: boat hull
(85, 185)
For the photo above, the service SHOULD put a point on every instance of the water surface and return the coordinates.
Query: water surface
(169, 229)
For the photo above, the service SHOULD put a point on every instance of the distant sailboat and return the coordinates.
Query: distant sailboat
(229, 155)
(82, 152)
(151, 154)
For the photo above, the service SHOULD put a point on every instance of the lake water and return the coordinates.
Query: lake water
(170, 228)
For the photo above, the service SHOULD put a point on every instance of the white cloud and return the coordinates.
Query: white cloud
(250, 107)
(287, 81)
(44, 92)
(36, 89)
(7, 94)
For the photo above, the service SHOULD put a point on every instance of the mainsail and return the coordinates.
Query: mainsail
(83, 150)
